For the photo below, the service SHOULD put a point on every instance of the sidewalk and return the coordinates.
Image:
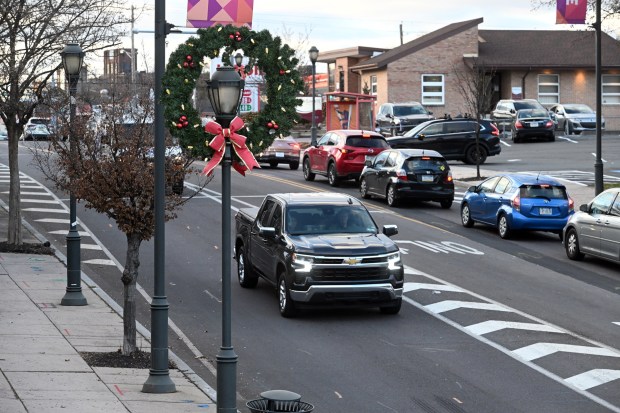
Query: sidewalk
(41, 369)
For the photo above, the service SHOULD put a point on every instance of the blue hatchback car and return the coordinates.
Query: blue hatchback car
(515, 202)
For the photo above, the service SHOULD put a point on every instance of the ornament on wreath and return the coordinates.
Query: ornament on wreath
(182, 122)
(272, 126)
(236, 36)
(189, 62)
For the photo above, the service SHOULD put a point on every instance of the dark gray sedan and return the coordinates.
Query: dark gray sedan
(595, 229)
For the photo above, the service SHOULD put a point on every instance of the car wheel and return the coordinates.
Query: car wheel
(308, 175)
(515, 138)
(567, 128)
(247, 277)
(552, 138)
(364, 189)
(466, 216)
(332, 176)
(446, 203)
(287, 307)
(502, 227)
(390, 196)
(393, 308)
(273, 165)
(572, 246)
(294, 166)
(473, 156)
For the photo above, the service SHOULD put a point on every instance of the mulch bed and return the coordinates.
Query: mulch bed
(137, 360)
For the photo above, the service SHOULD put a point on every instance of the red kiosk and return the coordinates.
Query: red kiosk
(349, 111)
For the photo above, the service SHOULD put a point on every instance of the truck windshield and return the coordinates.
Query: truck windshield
(328, 219)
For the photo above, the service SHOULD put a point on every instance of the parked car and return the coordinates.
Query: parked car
(4, 135)
(37, 132)
(417, 174)
(514, 202)
(398, 118)
(575, 118)
(533, 123)
(285, 150)
(505, 112)
(595, 228)
(454, 139)
(341, 154)
(319, 249)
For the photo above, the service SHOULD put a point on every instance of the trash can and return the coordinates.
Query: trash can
(273, 401)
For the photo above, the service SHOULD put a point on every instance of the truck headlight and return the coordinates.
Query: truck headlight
(302, 263)
(394, 262)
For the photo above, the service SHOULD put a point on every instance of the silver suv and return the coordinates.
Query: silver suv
(397, 118)
(505, 111)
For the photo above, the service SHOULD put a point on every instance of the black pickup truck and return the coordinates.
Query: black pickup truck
(319, 249)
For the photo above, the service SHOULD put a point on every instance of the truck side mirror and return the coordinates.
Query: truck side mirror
(389, 230)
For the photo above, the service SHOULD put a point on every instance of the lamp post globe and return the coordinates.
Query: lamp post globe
(314, 55)
(72, 59)
(224, 91)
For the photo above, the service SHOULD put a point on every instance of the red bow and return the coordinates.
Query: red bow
(218, 143)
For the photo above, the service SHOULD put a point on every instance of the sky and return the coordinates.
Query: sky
(337, 24)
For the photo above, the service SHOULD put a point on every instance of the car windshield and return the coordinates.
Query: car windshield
(39, 121)
(328, 219)
(572, 109)
(367, 142)
(543, 191)
(409, 110)
(532, 113)
(527, 105)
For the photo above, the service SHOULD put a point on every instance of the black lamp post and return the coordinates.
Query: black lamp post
(239, 61)
(72, 58)
(314, 55)
(224, 91)
(598, 163)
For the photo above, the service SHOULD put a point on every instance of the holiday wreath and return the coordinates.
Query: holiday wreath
(276, 62)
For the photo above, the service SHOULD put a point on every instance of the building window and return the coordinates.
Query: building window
(610, 93)
(432, 90)
(373, 85)
(549, 89)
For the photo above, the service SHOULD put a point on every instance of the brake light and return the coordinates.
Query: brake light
(516, 203)
(549, 124)
(494, 131)
(448, 178)
(571, 204)
(344, 151)
(426, 158)
(295, 146)
(518, 124)
(402, 175)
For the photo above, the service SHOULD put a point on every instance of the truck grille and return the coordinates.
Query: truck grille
(365, 268)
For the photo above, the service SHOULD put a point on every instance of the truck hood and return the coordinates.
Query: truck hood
(343, 244)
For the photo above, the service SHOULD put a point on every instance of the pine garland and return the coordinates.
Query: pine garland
(276, 61)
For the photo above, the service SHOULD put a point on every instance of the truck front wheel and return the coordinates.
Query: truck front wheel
(245, 273)
(287, 306)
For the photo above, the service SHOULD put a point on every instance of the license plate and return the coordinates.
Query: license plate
(427, 178)
(544, 211)
(279, 154)
(534, 124)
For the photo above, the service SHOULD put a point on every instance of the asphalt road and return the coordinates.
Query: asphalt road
(487, 325)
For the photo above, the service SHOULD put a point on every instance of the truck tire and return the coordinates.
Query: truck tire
(392, 308)
(287, 306)
(245, 273)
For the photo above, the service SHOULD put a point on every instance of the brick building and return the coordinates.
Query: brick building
(551, 66)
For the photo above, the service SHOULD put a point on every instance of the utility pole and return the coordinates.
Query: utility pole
(133, 52)
(401, 33)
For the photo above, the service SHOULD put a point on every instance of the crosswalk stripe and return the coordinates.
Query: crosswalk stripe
(50, 210)
(490, 326)
(61, 232)
(448, 305)
(98, 261)
(423, 286)
(90, 247)
(53, 220)
(39, 201)
(538, 350)
(593, 378)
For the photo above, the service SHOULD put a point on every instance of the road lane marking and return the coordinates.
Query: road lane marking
(593, 378)
(99, 261)
(46, 210)
(438, 287)
(62, 231)
(594, 154)
(491, 326)
(449, 305)
(538, 350)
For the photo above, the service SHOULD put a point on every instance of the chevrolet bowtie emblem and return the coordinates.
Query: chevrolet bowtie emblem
(352, 261)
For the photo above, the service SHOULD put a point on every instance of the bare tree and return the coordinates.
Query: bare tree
(111, 170)
(32, 35)
(475, 87)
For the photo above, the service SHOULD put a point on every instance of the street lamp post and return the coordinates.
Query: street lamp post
(72, 58)
(224, 91)
(314, 55)
(598, 163)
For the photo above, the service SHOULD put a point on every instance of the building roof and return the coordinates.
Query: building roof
(504, 49)
(354, 52)
(417, 44)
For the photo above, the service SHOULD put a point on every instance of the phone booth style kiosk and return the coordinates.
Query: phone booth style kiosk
(349, 111)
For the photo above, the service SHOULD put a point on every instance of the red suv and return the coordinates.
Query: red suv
(340, 154)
